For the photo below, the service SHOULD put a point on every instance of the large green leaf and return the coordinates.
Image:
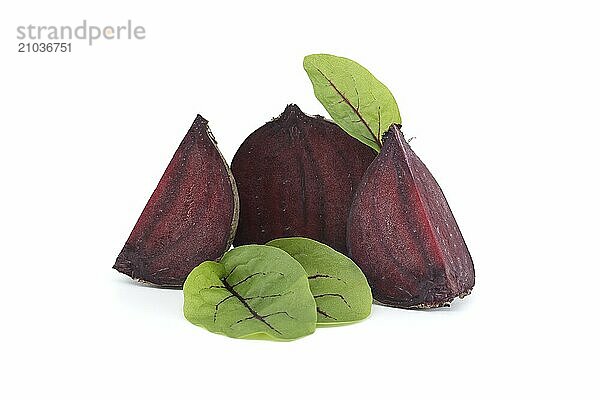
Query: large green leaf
(340, 288)
(359, 103)
(253, 290)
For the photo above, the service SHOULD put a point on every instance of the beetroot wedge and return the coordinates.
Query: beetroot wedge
(403, 235)
(296, 176)
(190, 218)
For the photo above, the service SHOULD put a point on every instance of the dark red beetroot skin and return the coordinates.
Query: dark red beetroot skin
(190, 217)
(402, 234)
(296, 176)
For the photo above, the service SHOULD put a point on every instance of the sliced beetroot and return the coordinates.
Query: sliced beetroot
(190, 218)
(296, 176)
(402, 234)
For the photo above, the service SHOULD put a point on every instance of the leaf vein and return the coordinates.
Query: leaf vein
(255, 274)
(268, 296)
(323, 313)
(333, 295)
(347, 101)
(316, 276)
(218, 304)
(245, 304)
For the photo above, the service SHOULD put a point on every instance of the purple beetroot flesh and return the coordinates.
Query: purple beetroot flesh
(190, 217)
(402, 234)
(296, 176)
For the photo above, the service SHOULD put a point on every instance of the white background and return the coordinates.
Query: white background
(503, 100)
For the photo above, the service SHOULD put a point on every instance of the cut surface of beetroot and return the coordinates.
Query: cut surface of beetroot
(190, 218)
(296, 176)
(403, 235)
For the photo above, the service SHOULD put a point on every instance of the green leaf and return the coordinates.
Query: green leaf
(253, 290)
(340, 288)
(359, 103)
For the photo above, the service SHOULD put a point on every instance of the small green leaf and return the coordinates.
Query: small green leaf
(253, 290)
(359, 103)
(340, 288)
